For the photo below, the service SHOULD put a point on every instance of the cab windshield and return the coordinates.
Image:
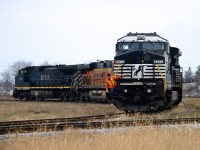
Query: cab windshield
(129, 46)
(141, 45)
(153, 46)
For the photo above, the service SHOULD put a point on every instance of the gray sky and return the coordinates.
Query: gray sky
(80, 31)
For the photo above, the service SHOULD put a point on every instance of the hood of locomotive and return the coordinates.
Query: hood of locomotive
(143, 73)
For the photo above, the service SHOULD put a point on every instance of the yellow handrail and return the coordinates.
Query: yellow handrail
(160, 72)
(118, 68)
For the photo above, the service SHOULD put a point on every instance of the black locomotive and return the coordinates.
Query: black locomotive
(152, 76)
(83, 82)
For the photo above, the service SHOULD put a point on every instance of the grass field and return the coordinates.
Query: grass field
(20, 110)
(139, 138)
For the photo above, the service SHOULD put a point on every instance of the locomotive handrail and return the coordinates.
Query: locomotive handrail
(118, 68)
(160, 72)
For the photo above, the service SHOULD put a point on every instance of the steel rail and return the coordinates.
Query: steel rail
(61, 125)
(9, 126)
(56, 101)
(68, 119)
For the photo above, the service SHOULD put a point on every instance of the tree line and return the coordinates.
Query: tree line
(190, 76)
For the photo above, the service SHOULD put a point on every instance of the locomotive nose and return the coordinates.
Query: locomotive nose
(141, 56)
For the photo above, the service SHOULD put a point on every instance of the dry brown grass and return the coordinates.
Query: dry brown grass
(10, 110)
(20, 110)
(140, 138)
(192, 101)
(151, 138)
(5, 95)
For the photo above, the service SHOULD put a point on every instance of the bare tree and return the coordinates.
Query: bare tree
(188, 76)
(45, 63)
(197, 73)
(16, 66)
(6, 83)
(8, 75)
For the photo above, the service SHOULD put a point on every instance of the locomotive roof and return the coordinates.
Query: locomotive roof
(65, 67)
(141, 37)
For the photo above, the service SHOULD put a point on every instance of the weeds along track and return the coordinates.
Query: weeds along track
(52, 124)
(97, 121)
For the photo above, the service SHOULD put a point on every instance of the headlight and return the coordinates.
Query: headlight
(149, 90)
(158, 61)
(125, 90)
(119, 61)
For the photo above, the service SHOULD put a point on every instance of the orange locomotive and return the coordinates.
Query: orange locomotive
(80, 82)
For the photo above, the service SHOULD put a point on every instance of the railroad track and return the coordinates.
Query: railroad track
(98, 121)
(55, 100)
(51, 124)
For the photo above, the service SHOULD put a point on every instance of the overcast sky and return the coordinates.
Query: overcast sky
(81, 31)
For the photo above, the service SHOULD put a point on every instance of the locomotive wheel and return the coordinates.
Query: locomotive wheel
(67, 98)
(108, 98)
(78, 98)
(21, 97)
(61, 98)
(88, 98)
(83, 98)
(166, 99)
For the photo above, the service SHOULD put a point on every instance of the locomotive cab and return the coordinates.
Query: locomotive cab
(21, 83)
